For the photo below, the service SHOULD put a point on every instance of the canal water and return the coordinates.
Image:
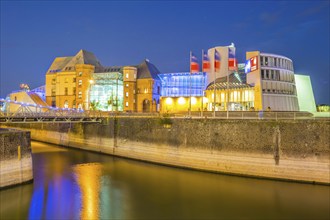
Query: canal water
(73, 184)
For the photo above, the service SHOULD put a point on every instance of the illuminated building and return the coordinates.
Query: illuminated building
(235, 94)
(305, 93)
(82, 82)
(68, 80)
(272, 76)
(177, 88)
(106, 92)
(27, 99)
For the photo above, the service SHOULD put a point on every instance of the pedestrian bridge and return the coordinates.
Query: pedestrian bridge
(20, 112)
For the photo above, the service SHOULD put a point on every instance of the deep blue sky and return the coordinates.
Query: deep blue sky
(33, 33)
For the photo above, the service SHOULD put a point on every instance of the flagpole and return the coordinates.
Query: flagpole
(203, 81)
(228, 93)
(214, 83)
(190, 88)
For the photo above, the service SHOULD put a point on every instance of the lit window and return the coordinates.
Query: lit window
(126, 104)
(134, 75)
(126, 75)
(66, 104)
(80, 82)
(126, 94)
(193, 100)
(126, 84)
(169, 101)
(79, 95)
(181, 101)
(80, 74)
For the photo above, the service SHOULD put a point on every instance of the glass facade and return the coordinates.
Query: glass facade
(182, 84)
(106, 92)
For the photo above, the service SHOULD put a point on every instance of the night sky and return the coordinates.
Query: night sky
(33, 33)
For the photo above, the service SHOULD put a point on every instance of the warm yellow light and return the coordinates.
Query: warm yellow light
(205, 99)
(168, 101)
(181, 101)
(91, 81)
(193, 100)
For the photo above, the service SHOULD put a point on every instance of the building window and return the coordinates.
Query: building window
(53, 92)
(53, 103)
(266, 61)
(80, 95)
(74, 79)
(66, 80)
(133, 91)
(66, 104)
(126, 75)
(126, 94)
(126, 104)
(263, 74)
(74, 90)
(53, 81)
(66, 91)
(134, 75)
(261, 61)
(126, 84)
(80, 74)
(133, 100)
(79, 82)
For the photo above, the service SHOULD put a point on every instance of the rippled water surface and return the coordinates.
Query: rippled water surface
(72, 184)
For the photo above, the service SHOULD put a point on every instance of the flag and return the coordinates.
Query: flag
(206, 62)
(194, 66)
(232, 62)
(217, 59)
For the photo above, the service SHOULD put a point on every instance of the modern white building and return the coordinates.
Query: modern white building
(273, 78)
(305, 93)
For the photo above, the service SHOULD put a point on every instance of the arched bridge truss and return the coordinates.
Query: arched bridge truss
(19, 112)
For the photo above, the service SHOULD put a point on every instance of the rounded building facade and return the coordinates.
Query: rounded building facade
(275, 82)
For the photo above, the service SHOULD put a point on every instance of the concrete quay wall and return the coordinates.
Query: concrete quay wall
(289, 150)
(15, 157)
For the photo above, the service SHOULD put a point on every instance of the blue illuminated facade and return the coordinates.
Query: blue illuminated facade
(182, 84)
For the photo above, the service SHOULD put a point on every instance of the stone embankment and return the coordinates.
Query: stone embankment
(288, 150)
(15, 157)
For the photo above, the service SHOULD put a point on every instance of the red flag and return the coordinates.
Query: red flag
(206, 62)
(232, 62)
(217, 59)
(194, 66)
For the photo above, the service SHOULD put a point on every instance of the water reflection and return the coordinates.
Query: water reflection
(72, 184)
(88, 177)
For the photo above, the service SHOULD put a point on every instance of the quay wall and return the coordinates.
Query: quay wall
(15, 157)
(296, 150)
